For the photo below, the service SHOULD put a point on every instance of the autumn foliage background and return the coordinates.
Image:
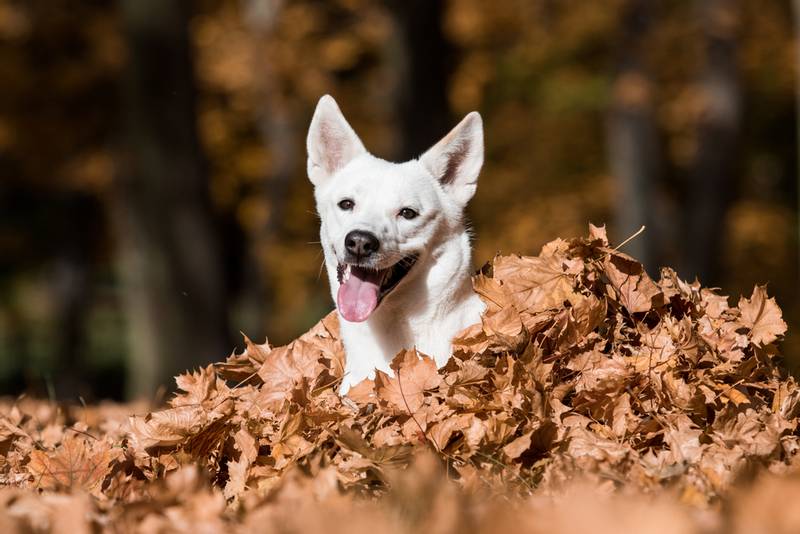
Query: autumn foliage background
(153, 199)
(154, 206)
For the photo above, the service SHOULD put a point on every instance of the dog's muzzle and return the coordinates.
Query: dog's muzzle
(362, 288)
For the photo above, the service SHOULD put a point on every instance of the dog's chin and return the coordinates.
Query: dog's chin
(362, 288)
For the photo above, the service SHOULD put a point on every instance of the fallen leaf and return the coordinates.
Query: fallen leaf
(413, 376)
(74, 465)
(762, 316)
(636, 289)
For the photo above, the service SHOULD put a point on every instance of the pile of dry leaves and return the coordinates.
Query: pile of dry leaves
(584, 368)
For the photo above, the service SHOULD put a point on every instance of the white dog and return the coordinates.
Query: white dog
(396, 247)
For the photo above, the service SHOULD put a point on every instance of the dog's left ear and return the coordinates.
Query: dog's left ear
(456, 160)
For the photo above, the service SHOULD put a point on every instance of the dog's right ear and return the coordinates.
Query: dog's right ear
(331, 141)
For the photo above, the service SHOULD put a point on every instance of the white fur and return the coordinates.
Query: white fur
(435, 300)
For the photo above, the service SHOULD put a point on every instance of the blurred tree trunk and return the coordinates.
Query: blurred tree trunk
(633, 146)
(424, 64)
(174, 287)
(71, 292)
(277, 130)
(796, 13)
(713, 182)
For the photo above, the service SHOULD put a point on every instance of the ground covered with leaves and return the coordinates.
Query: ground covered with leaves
(590, 396)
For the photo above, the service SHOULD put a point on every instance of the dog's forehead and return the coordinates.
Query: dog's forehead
(383, 181)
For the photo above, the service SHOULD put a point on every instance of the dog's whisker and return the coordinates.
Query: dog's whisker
(321, 267)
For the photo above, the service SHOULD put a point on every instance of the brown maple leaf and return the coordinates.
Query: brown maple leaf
(505, 329)
(363, 392)
(762, 316)
(495, 294)
(414, 375)
(244, 367)
(635, 288)
(542, 282)
(75, 465)
(441, 432)
(202, 387)
(175, 426)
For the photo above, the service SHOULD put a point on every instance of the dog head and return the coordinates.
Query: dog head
(379, 219)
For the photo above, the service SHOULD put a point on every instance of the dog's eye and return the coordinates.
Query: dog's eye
(346, 204)
(408, 213)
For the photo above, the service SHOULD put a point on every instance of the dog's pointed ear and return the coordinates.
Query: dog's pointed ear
(456, 160)
(331, 141)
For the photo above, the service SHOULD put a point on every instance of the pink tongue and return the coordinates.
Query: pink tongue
(358, 296)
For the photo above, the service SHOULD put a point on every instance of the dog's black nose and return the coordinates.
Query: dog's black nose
(361, 244)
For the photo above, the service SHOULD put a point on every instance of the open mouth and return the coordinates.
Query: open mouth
(361, 288)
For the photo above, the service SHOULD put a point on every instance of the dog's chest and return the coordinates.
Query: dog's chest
(432, 333)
